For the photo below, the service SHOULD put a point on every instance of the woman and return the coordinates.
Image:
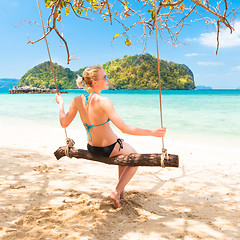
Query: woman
(96, 112)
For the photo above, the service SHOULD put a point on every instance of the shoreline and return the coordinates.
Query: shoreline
(21, 127)
(6, 90)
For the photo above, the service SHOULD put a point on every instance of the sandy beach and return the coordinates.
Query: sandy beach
(42, 198)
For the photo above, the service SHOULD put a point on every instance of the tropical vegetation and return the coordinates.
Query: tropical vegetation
(141, 72)
(41, 76)
(130, 72)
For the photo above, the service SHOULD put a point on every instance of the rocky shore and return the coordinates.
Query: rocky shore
(32, 90)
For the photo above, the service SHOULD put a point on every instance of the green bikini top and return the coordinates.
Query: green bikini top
(86, 95)
(88, 127)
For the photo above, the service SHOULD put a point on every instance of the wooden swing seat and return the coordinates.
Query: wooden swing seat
(133, 159)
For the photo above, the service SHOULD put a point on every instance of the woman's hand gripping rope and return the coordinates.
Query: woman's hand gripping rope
(58, 98)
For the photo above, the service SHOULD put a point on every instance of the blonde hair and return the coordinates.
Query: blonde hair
(89, 74)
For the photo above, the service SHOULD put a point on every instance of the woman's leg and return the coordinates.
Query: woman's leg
(126, 173)
(120, 171)
(123, 181)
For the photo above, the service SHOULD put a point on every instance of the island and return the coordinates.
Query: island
(138, 72)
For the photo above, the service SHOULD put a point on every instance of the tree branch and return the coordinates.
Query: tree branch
(168, 19)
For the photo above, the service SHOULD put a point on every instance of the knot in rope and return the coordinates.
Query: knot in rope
(163, 156)
(70, 143)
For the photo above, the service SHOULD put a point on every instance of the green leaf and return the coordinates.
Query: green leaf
(67, 11)
(153, 15)
(48, 4)
(128, 42)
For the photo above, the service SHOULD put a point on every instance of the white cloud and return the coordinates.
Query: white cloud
(191, 39)
(225, 38)
(191, 54)
(210, 63)
(237, 68)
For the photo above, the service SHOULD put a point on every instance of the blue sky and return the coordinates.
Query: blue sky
(90, 41)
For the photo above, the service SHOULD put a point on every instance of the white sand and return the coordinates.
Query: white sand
(42, 198)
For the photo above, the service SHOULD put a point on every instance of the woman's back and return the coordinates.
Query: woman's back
(95, 120)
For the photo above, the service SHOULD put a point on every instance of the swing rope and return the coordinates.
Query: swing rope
(68, 140)
(164, 150)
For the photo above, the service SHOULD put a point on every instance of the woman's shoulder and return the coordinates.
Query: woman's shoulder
(80, 97)
(104, 101)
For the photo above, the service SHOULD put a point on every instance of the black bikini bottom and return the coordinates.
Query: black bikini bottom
(104, 151)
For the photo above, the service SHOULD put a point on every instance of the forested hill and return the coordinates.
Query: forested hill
(141, 72)
(41, 76)
(130, 72)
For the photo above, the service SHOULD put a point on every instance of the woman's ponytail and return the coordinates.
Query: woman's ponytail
(79, 81)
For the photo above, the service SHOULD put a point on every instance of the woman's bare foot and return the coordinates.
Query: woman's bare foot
(122, 195)
(115, 199)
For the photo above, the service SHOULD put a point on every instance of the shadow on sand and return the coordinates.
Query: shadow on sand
(79, 215)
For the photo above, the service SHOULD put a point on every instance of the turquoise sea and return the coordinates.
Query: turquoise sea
(211, 116)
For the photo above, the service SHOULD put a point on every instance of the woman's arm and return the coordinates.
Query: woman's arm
(65, 119)
(108, 107)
